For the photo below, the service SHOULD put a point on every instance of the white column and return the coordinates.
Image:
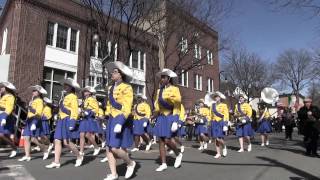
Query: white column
(4, 41)
(139, 55)
(77, 41)
(96, 50)
(55, 32)
(68, 39)
(130, 60)
(115, 52)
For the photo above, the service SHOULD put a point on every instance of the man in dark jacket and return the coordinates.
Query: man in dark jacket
(309, 116)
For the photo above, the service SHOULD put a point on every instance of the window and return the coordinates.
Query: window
(210, 57)
(51, 81)
(135, 59)
(50, 33)
(184, 79)
(138, 89)
(197, 51)
(91, 81)
(210, 86)
(99, 80)
(197, 82)
(73, 40)
(184, 45)
(62, 36)
(142, 58)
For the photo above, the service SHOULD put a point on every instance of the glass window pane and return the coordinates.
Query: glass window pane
(56, 91)
(58, 75)
(47, 73)
(50, 32)
(62, 35)
(73, 40)
(135, 59)
(142, 55)
(47, 87)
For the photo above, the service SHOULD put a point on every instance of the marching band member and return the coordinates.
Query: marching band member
(7, 102)
(33, 127)
(88, 125)
(167, 110)
(119, 133)
(264, 124)
(100, 119)
(142, 113)
(46, 116)
(201, 128)
(243, 112)
(219, 123)
(66, 124)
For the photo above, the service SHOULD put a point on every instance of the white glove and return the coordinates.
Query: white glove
(33, 127)
(174, 127)
(86, 113)
(117, 128)
(70, 128)
(179, 125)
(201, 121)
(104, 126)
(3, 122)
(225, 128)
(145, 124)
(244, 121)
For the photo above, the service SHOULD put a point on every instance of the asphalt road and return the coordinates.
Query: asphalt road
(281, 160)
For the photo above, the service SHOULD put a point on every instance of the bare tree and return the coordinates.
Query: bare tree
(247, 71)
(309, 6)
(295, 69)
(314, 92)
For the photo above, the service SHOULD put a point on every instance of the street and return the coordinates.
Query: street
(281, 160)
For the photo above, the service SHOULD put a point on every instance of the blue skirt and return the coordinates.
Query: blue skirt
(88, 125)
(124, 139)
(150, 129)
(100, 129)
(138, 128)
(45, 128)
(182, 130)
(217, 129)
(9, 127)
(244, 130)
(264, 127)
(35, 133)
(163, 125)
(63, 132)
(201, 128)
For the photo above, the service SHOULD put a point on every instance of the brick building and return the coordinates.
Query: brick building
(44, 41)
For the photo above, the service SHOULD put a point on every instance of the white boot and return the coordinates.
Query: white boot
(130, 170)
(79, 161)
(13, 154)
(205, 145)
(224, 151)
(249, 148)
(96, 151)
(177, 162)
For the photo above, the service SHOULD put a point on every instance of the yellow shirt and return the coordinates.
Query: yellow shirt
(204, 111)
(182, 113)
(246, 109)
(7, 103)
(35, 108)
(92, 104)
(70, 102)
(221, 108)
(100, 113)
(47, 112)
(123, 94)
(172, 96)
(143, 109)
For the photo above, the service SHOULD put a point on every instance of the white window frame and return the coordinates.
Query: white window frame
(184, 76)
(210, 87)
(210, 57)
(4, 41)
(198, 80)
(184, 45)
(197, 51)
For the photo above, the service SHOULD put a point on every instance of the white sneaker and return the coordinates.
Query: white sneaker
(134, 149)
(162, 167)
(130, 170)
(240, 150)
(249, 148)
(50, 147)
(96, 151)
(224, 151)
(267, 143)
(182, 149)
(45, 155)
(177, 162)
(79, 162)
(24, 158)
(171, 152)
(104, 160)
(217, 156)
(13, 154)
(200, 148)
(111, 177)
(205, 146)
(148, 147)
(262, 144)
(53, 165)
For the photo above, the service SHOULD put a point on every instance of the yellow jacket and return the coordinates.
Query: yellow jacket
(123, 94)
(182, 113)
(35, 108)
(92, 104)
(172, 96)
(246, 109)
(47, 112)
(204, 111)
(70, 102)
(221, 108)
(7, 103)
(143, 109)
(100, 113)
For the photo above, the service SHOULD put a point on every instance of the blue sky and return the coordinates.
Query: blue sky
(268, 32)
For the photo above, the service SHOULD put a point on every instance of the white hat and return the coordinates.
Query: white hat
(167, 72)
(122, 67)
(70, 82)
(47, 100)
(8, 85)
(237, 96)
(90, 89)
(218, 93)
(38, 88)
(139, 95)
